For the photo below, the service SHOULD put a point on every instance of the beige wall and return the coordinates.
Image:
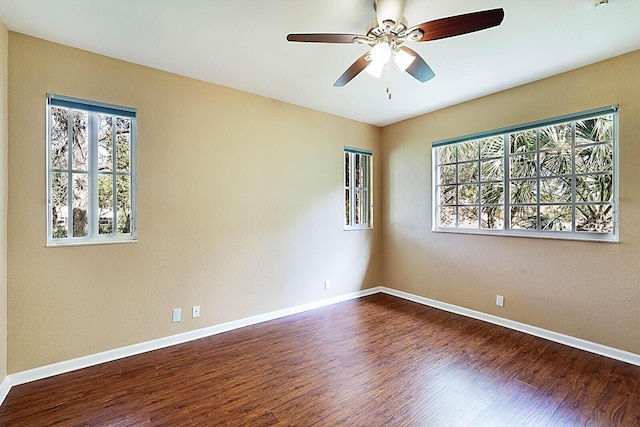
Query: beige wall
(240, 210)
(4, 140)
(587, 290)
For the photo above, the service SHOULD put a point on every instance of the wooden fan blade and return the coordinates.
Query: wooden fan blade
(355, 69)
(418, 68)
(460, 24)
(322, 38)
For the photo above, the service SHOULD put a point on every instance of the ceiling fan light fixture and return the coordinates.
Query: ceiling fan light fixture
(403, 59)
(381, 52)
(375, 68)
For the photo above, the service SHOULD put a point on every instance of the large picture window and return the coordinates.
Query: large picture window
(91, 172)
(554, 178)
(358, 184)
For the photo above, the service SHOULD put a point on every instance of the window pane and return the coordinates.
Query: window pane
(553, 164)
(523, 142)
(492, 147)
(467, 151)
(105, 143)
(447, 154)
(359, 170)
(347, 206)
(594, 130)
(357, 207)
(80, 140)
(447, 174)
(468, 172)
(447, 217)
(123, 189)
(364, 204)
(555, 218)
(123, 144)
(80, 204)
(468, 217)
(59, 204)
(524, 217)
(59, 138)
(105, 204)
(598, 218)
(523, 166)
(558, 136)
(555, 190)
(596, 158)
(347, 174)
(594, 188)
(492, 217)
(447, 195)
(492, 170)
(492, 194)
(523, 192)
(468, 195)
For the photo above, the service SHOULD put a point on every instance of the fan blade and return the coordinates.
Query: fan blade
(457, 25)
(355, 69)
(418, 68)
(322, 38)
(389, 10)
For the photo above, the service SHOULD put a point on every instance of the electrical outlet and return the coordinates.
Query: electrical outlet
(177, 314)
(499, 300)
(195, 311)
(327, 285)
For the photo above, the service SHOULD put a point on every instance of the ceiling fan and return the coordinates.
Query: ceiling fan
(388, 33)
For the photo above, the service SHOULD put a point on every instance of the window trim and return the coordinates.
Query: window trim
(351, 226)
(611, 237)
(93, 107)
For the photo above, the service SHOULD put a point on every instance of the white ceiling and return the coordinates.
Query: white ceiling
(242, 44)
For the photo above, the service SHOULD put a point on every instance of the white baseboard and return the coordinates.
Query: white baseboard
(570, 341)
(5, 386)
(119, 353)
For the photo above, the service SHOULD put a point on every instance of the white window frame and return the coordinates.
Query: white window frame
(612, 236)
(350, 190)
(93, 109)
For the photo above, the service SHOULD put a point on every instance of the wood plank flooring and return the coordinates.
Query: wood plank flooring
(375, 361)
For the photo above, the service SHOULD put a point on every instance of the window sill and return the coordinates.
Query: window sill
(356, 228)
(553, 235)
(90, 242)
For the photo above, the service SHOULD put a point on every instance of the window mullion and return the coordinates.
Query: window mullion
(69, 172)
(479, 152)
(92, 213)
(114, 176)
(353, 190)
(457, 188)
(506, 170)
(573, 176)
(538, 172)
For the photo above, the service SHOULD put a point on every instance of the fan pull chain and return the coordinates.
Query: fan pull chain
(389, 80)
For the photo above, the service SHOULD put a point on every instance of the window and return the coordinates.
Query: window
(91, 172)
(358, 184)
(555, 178)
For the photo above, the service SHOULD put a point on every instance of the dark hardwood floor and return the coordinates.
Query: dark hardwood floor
(375, 361)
